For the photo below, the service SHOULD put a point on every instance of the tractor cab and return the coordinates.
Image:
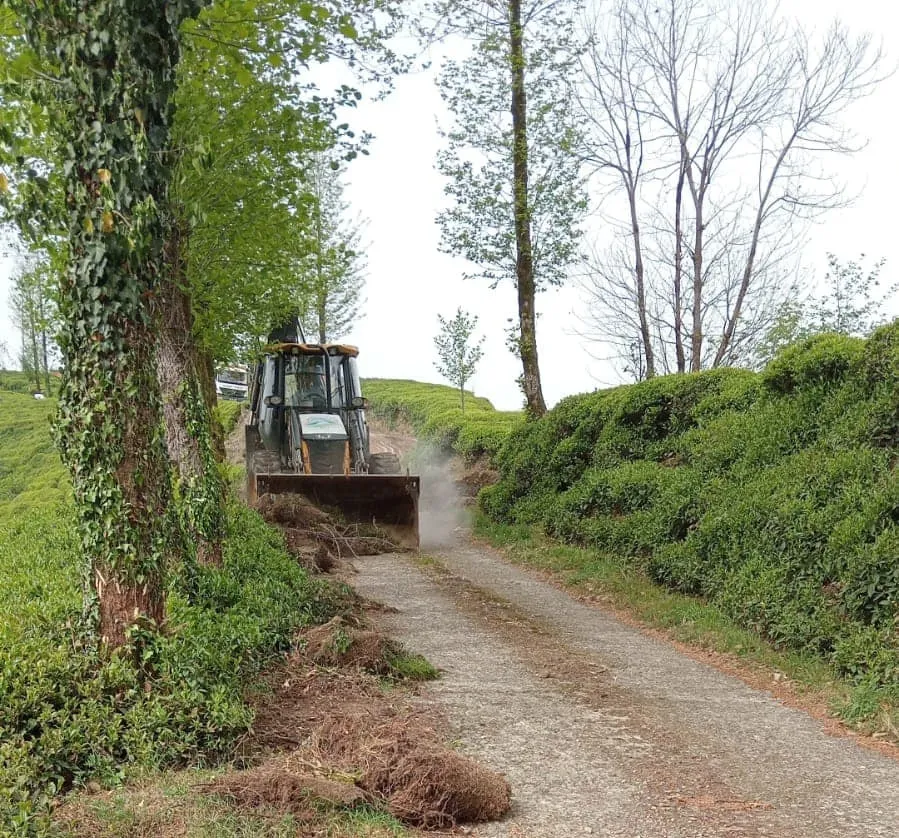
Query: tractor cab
(312, 410)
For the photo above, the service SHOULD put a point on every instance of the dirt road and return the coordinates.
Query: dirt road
(600, 728)
(604, 730)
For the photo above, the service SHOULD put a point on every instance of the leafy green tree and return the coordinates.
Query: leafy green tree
(34, 313)
(254, 44)
(850, 303)
(457, 357)
(248, 184)
(246, 127)
(335, 269)
(107, 75)
(513, 175)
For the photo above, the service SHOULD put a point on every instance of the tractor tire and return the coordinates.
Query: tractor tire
(385, 463)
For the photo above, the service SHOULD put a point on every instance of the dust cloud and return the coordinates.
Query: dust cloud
(443, 514)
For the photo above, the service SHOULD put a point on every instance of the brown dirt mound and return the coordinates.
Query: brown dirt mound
(291, 511)
(338, 643)
(300, 697)
(478, 474)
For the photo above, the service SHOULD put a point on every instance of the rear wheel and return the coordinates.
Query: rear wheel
(385, 463)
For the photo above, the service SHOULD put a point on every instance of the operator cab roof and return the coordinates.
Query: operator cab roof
(313, 349)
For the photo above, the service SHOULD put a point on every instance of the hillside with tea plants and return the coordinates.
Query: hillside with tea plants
(771, 496)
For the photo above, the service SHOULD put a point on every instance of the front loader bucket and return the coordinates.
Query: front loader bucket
(386, 500)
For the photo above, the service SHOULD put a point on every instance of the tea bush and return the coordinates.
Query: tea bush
(434, 412)
(68, 714)
(31, 473)
(773, 495)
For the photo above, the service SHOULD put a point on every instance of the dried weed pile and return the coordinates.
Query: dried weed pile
(336, 735)
(402, 762)
(350, 744)
(287, 784)
(318, 540)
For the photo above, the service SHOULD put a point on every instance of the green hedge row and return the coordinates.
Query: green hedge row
(31, 473)
(434, 411)
(68, 714)
(774, 495)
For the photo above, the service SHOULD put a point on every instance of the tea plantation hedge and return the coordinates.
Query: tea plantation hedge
(434, 411)
(67, 712)
(773, 494)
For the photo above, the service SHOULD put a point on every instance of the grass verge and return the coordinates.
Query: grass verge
(697, 624)
(174, 804)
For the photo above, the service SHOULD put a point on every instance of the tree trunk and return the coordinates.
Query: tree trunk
(525, 282)
(731, 324)
(645, 335)
(678, 274)
(35, 355)
(46, 361)
(696, 335)
(118, 160)
(187, 427)
(321, 297)
(120, 476)
(206, 376)
(322, 317)
(748, 271)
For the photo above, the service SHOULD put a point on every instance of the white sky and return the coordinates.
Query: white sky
(399, 191)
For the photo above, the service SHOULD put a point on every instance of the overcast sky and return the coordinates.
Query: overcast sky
(399, 191)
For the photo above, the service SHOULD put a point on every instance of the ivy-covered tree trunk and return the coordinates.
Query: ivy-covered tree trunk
(206, 376)
(110, 109)
(527, 338)
(198, 488)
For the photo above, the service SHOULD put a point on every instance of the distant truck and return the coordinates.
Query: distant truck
(232, 383)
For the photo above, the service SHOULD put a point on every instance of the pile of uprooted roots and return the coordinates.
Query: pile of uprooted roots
(337, 736)
(318, 540)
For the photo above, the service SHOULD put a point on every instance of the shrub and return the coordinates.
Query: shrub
(772, 495)
(434, 412)
(822, 359)
(68, 714)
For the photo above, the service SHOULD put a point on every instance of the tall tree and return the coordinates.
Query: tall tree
(711, 119)
(248, 186)
(106, 82)
(34, 313)
(513, 174)
(246, 125)
(457, 356)
(335, 267)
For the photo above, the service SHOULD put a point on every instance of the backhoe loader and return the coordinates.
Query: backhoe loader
(308, 435)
